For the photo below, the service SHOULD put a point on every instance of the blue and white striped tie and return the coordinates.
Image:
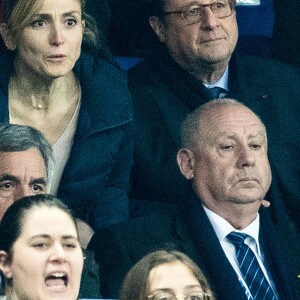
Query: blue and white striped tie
(252, 273)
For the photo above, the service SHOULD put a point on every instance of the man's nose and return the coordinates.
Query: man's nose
(245, 158)
(209, 20)
(22, 191)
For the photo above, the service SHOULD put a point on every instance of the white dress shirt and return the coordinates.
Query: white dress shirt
(222, 83)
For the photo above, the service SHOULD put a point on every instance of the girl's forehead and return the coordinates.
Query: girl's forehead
(49, 219)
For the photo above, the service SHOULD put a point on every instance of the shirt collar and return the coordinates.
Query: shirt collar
(222, 82)
(223, 228)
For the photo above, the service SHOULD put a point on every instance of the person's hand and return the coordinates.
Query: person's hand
(265, 203)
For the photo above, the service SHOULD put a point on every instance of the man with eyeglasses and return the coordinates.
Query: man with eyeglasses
(195, 62)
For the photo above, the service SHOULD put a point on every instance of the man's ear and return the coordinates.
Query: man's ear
(186, 162)
(7, 37)
(158, 27)
(5, 264)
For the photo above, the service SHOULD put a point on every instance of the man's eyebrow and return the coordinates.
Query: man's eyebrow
(7, 176)
(40, 180)
(162, 290)
(260, 134)
(232, 135)
(193, 286)
(226, 134)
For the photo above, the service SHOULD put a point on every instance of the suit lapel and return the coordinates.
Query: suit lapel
(200, 242)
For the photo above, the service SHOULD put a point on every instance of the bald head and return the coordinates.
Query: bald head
(224, 153)
(196, 125)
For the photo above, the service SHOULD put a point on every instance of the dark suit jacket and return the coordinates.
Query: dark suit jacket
(163, 94)
(119, 247)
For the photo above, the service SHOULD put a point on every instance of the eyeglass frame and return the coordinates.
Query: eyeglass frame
(181, 296)
(231, 3)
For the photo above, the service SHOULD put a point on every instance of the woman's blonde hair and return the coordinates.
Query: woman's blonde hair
(18, 14)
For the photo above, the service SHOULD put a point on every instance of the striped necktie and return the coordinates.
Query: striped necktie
(252, 273)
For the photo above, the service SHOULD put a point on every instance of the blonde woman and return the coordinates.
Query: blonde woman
(77, 100)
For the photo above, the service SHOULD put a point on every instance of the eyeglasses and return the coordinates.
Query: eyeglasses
(195, 13)
(166, 295)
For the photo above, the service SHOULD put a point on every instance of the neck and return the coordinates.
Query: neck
(206, 72)
(241, 218)
(209, 73)
(238, 215)
(41, 93)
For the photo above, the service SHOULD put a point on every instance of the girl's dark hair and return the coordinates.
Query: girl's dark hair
(12, 222)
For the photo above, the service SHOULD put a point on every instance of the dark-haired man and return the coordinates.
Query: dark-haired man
(24, 159)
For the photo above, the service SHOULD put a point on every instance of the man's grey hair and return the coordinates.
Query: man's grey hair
(192, 126)
(15, 138)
